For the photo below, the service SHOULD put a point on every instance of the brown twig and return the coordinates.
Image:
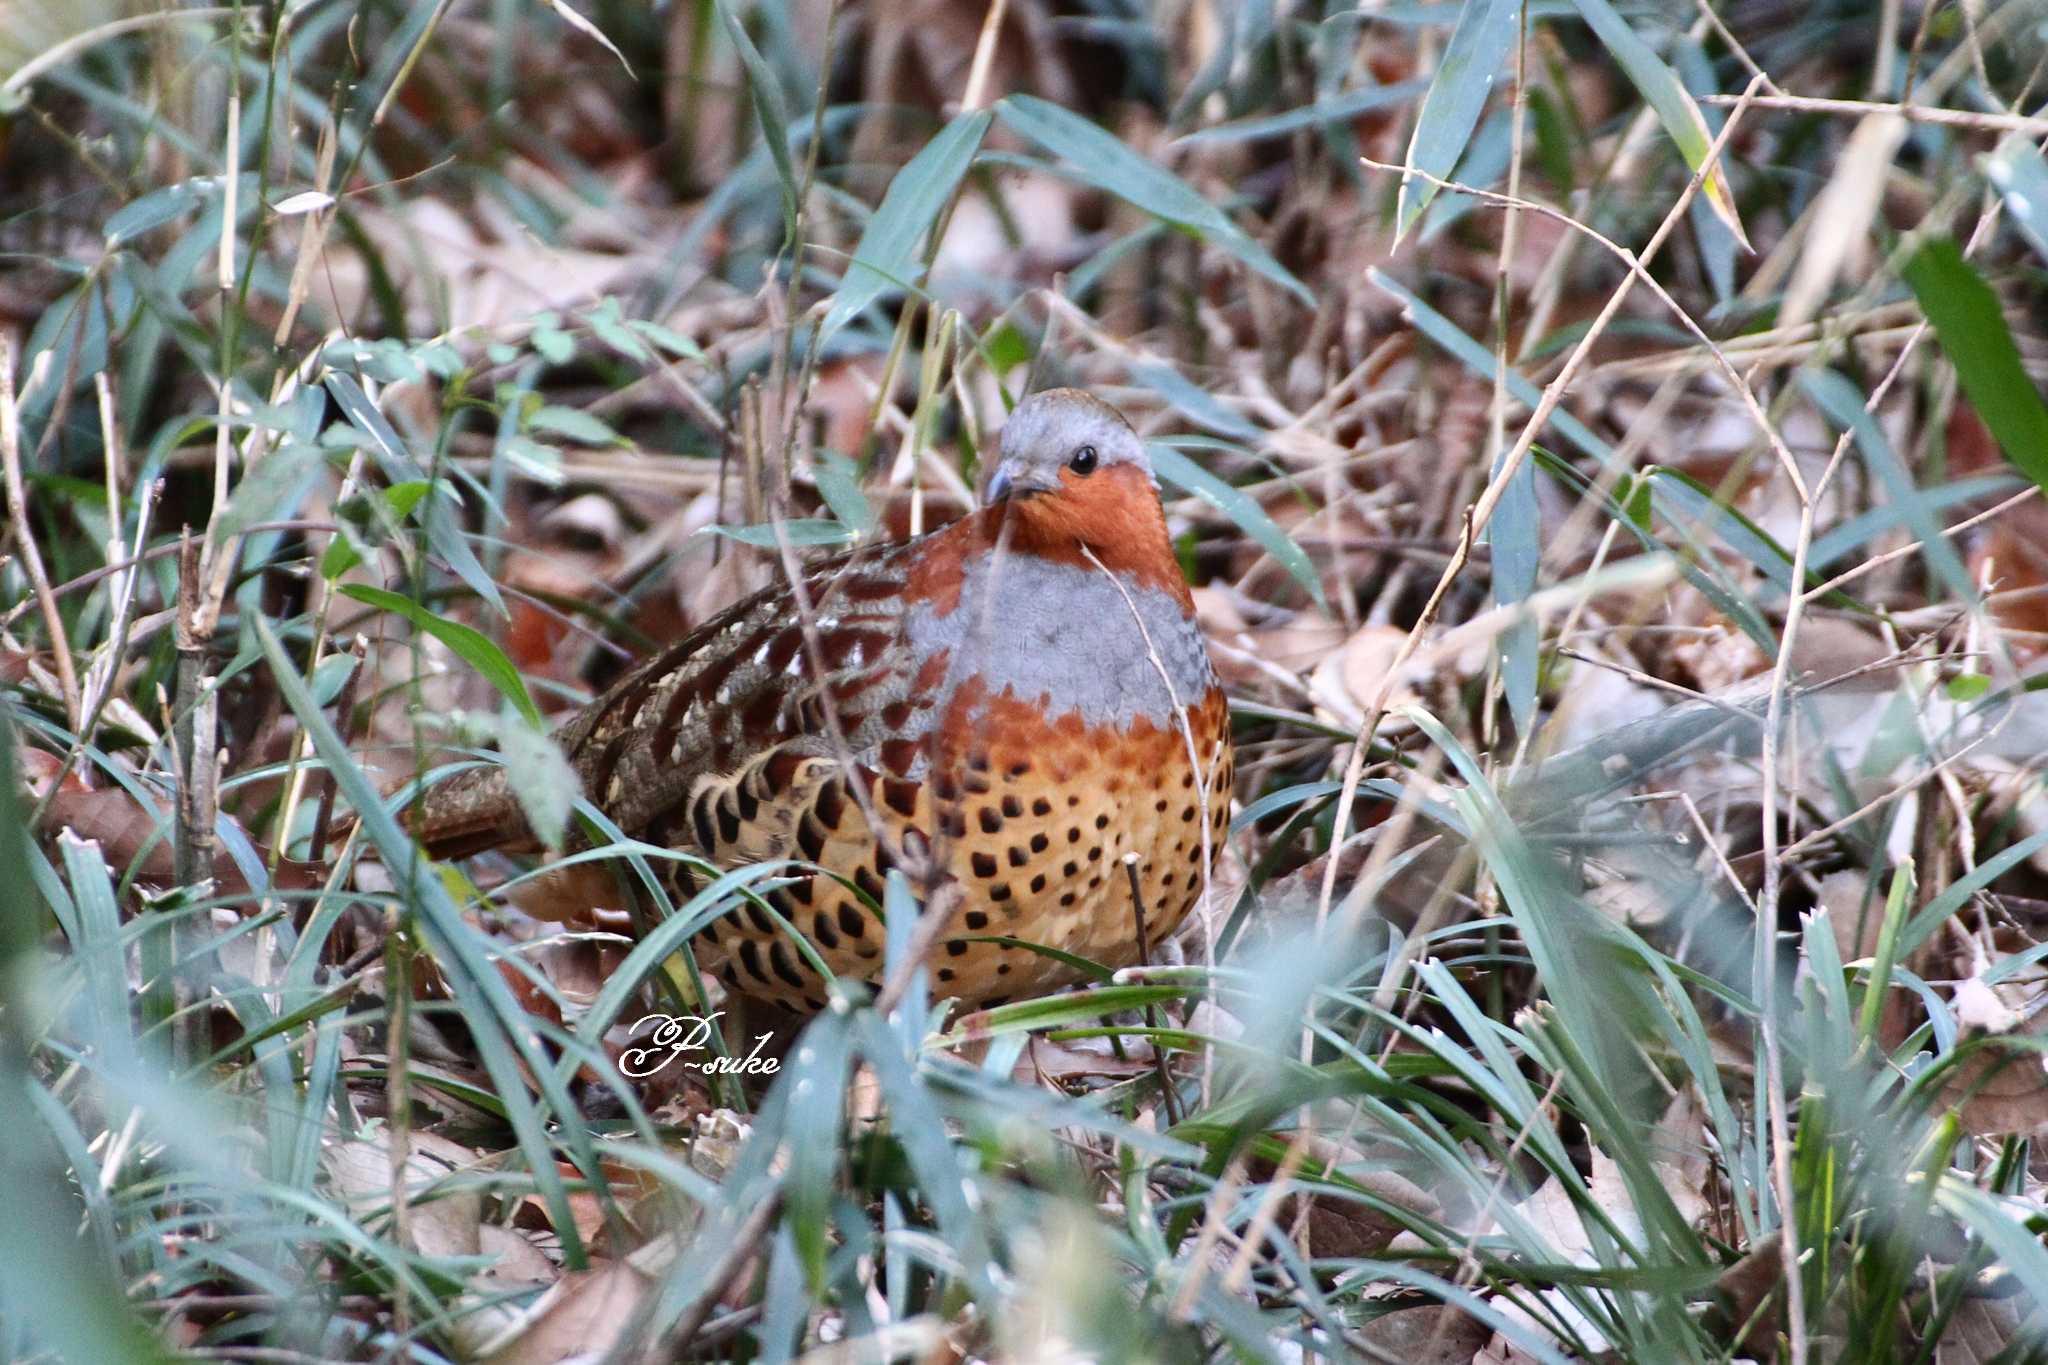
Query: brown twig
(24, 535)
(196, 720)
(1167, 1096)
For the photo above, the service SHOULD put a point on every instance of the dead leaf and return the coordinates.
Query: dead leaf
(1435, 1334)
(443, 1219)
(581, 1318)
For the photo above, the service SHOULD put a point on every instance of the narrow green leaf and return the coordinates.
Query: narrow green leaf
(838, 481)
(159, 207)
(505, 1038)
(674, 342)
(573, 423)
(767, 97)
(470, 646)
(444, 534)
(1102, 161)
(1660, 87)
(1973, 331)
(1330, 109)
(1476, 54)
(1842, 403)
(802, 532)
(2020, 174)
(887, 257)
(278, 480)
(1193, 401)
(1183, 473)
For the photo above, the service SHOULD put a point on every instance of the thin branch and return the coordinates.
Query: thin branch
(24, 535)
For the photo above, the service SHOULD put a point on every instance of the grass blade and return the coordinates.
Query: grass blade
(1973, 331)
(887, 255)
(1102, 161)
(1475, 55)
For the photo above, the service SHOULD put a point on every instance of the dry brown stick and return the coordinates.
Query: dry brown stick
(196, 719)
(87, 579)
(24, 534)
(1912, 113)
(1167, 1096)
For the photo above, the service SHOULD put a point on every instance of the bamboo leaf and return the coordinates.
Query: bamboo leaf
(1182, 472)
(1659, 85)
(1973, 331)
(1102, 161)
(1476, 54)
(472, 647)
(887, 257)
(767, 97)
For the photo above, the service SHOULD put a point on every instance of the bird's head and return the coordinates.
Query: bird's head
(1071, 471)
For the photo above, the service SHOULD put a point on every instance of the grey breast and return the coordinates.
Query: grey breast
(1071, 638)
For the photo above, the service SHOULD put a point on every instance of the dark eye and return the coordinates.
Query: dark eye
(1083, 461)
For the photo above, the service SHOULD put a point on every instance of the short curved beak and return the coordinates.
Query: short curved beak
(1013, 480)
(999, 484)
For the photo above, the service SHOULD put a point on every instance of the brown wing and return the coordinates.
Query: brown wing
(718, 703)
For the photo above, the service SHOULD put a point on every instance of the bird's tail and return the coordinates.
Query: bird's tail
(471, 812)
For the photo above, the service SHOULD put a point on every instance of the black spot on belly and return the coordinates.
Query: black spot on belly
(946, 973)
(991, 820)
(956, 947)
(900, 796)
(984, 866)
(1000, 892)
(830, 803)
(1067, 899)
(1102, 820)
(810, 840)
(778, 957)
(1018, 857)
(1039, 843)
(1041, 807)
(851, 919)
(823, 932)
(1013, 808)
(1038, 884)
(975, 920)
(750, 958)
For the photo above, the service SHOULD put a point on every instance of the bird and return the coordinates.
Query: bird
(1019, 703)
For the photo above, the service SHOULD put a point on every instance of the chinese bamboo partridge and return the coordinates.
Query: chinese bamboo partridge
(1023, 698)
